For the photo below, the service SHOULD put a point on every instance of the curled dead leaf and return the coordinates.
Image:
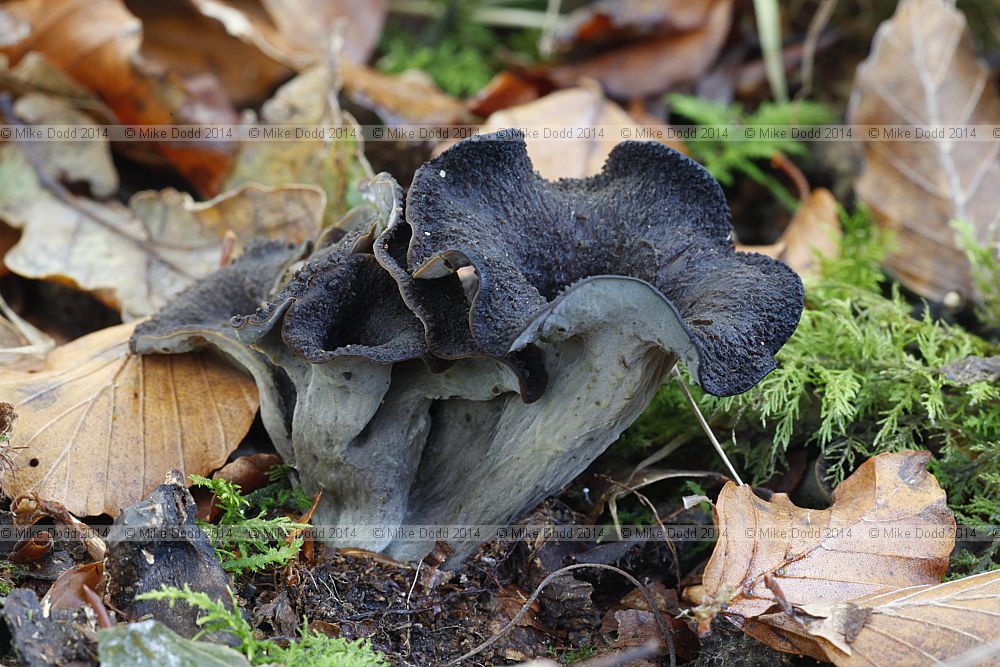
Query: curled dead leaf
(410, 97)
(67, 592)
(865, 543)
(191, 43)
(923, 71)
(22, 346)
(100, 427)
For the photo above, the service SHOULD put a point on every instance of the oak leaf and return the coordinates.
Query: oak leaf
(136, 257)
(889, 527)
(923, 71)
(99, 428)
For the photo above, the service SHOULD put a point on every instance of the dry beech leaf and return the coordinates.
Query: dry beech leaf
(337, 166)
(298, 32)
(97, 42)
(577, 108)
(136, 257)
(99, 428)
(923, 70)
(814, 231)
(652, 66)
(865, 543)
(921, 625)
(408, 98)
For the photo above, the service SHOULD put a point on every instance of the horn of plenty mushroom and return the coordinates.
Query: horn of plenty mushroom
(412, 392)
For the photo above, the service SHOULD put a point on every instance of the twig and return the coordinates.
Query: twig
(654, 608)
(95, 602)
(705, 427)
(781, 162)
(613, 508)
(507, 17)
(816, 26)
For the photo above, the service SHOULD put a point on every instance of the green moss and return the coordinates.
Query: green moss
(459, 54)
(245, 541)
(311, 649)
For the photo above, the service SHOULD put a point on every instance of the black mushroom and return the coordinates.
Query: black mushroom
(459, 363)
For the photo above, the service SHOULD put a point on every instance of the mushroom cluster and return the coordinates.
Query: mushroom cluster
(457, 360)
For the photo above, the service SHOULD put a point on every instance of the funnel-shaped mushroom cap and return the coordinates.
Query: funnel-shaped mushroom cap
(651, 214)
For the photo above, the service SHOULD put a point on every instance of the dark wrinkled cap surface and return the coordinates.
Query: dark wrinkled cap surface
(342, 303)
(651, 214)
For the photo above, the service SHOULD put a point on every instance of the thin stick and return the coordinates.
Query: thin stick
(816, 26)
(705, 427)
(508, 17)
(664, 628)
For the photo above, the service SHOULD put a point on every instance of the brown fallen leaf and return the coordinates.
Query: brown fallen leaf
(652, 66)
(923, 70)
(136, 257)
(630, 622)
(865, 543)
(67, 592)
(814, 232)
(578, 109)
(298, 32)
(920, 625)
(191, 43)
(614, 21)
(506, 89)
(99, 427)
(336, 165)
(97, 42)
(408, 98)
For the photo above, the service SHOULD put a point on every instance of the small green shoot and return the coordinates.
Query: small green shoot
(729, 154)
(246, 543)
